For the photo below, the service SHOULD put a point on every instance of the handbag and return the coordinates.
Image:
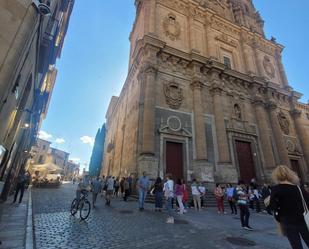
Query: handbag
(306, 211)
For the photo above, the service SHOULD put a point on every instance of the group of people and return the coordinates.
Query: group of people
(286, 200)
(109, 186)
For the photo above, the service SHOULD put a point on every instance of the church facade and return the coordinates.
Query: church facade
(206, 97)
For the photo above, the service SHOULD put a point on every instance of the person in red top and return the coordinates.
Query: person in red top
(219, 194)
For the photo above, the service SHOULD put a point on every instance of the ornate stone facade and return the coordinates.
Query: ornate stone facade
(206, 96)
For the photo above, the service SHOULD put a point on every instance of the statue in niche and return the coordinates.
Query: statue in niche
(284, 123)
(237, 111)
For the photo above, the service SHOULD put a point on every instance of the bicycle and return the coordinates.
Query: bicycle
(82, 204)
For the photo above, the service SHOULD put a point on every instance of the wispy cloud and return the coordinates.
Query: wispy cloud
(44, 135)
(59, 141)
(87, 140)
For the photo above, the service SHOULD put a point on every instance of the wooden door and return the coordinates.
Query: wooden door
(174, 159)
(245, 161)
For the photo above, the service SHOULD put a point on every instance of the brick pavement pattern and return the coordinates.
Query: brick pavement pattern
(123, 226)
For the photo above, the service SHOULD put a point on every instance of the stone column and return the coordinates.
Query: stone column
(279, 140)
(257, 61)
(261, 119)
(199, 124)
(223, 147)
(302, 134)
(148, 123)
(282, 73)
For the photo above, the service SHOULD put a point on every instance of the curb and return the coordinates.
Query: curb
(29, 228)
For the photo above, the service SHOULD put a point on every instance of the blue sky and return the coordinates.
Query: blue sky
(94, 62)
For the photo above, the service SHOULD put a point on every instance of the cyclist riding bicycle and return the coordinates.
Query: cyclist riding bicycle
(83, 186)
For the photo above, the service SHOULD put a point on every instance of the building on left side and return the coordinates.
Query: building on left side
(32, 34)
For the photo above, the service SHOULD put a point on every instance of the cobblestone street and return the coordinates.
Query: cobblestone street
(123, 226)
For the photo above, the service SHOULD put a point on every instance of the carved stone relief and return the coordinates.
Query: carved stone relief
(173, 95)
(284, 123)
(174, 123)
(268, 67)
(171, 27)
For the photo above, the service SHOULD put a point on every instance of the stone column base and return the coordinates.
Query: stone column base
(149, 164)
(226, 173)
(203, 171)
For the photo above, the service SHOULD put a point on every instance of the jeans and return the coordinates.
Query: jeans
(142, 197)
(169, 206)
(244, 215)
(158, 199)
(294, 234)
(20, 187)
(181, 207)
(233, 207)
(94, 197)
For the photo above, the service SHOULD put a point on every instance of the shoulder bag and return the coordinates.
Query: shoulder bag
(306, 211)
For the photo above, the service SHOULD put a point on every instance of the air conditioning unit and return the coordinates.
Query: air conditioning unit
(42, 8)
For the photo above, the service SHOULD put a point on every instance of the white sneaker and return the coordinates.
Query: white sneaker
(170, 220)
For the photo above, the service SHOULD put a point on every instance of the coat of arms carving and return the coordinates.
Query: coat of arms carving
(171, 27)
(173, 95)
(284, 123)
(268, 67)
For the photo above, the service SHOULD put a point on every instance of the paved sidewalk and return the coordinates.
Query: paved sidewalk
(13, 223)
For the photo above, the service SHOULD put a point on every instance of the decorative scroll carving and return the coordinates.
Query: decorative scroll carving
(171, 27)
(284, 123)
(173, 95)
(268, 66)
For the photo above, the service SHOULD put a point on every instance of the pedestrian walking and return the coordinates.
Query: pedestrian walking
(96, 185)
(126, 187)
(22, 181)
(158, 192)
(242, 197)
(116, 187)
(122, 186)
(110, 183)
(179, 192)
(265, 193)
(185, 198)
(202, 190)
(219, 194)
(289, 202)
(196, 195)
(143, 186)
(169, 195)
(230, 198)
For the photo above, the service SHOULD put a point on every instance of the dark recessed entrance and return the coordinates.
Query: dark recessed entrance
(245, 161)
(296, 167)
(174, 159)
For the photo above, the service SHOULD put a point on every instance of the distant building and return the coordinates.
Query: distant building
(40, 151)
(96, 160)
(71, 170)
(31, 39)
(58, 157)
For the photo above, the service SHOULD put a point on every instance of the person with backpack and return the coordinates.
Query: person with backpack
(230, 198)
